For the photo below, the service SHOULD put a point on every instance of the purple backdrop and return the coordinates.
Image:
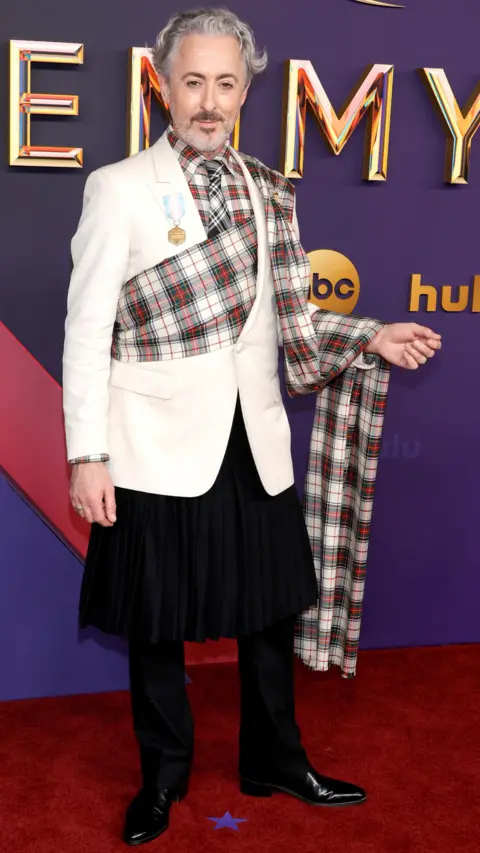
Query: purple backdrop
(423, 581)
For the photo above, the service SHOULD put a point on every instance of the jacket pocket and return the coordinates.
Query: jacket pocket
(141, 380)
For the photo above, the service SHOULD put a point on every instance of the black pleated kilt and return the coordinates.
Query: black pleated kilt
(225, 564)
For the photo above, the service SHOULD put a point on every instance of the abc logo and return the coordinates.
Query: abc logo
(334, 281)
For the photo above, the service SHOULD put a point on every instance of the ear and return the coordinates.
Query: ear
(164, 91)
(244, 95)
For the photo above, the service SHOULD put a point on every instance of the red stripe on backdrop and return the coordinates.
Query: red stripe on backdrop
(32, 443)
(33, 458)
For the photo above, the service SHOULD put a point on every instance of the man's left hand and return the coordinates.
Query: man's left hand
(405, 344)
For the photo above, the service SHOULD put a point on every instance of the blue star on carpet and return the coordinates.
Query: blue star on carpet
(227, 821)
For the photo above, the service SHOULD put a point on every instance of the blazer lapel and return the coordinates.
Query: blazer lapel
(167, 179)
(262, 239)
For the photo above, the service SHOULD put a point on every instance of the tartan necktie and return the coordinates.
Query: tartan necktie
(219, 217)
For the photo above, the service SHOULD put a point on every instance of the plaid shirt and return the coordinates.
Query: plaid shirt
(234, 185)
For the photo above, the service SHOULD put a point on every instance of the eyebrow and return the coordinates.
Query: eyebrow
(202, 76)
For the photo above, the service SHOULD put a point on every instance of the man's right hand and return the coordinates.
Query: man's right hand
(92, 493)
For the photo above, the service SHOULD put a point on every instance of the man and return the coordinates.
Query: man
(187, 266)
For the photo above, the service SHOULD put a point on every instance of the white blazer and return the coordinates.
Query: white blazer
(165, 424)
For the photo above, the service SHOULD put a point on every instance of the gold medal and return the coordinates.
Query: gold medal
(176, 236)
(174, 207)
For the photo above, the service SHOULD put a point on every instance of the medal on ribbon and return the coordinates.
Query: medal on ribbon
(174, 207)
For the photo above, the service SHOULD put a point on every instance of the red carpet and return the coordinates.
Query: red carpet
(407, 729)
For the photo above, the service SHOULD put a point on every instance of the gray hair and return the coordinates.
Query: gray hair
(219, 22)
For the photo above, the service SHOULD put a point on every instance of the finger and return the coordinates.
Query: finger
(77, 504)
(423, 347)
(409, 361)
(96, 508)
(425, 332)
(87, 514)
(110, 505)
(98, 512)
(415, 354)
(75, 499)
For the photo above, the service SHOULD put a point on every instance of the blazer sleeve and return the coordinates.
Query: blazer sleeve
(100, 251)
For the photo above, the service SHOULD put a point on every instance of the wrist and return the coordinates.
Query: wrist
(373, 347)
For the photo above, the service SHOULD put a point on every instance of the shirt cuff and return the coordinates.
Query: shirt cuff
(94, 457)
(364, 362)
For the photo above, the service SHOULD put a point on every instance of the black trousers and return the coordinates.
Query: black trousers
(269, 735)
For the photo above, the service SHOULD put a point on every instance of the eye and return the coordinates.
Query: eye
(226, 85)
(193, 83)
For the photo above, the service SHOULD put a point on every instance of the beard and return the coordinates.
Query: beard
(204, 140)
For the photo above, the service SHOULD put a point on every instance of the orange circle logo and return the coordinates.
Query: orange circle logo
(334, 281)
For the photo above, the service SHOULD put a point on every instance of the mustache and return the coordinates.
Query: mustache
(204, 116)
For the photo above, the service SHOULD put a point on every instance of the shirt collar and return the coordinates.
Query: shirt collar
(190, 160)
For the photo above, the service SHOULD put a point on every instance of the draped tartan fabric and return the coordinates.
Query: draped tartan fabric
(345, 441)
(338, 502)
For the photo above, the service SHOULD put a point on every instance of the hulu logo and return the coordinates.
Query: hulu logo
(426, 297)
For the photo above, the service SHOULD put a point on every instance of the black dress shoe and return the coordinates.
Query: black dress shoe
(148, 814)
(308, 786)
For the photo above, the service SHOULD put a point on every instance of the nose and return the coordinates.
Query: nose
(208, 97)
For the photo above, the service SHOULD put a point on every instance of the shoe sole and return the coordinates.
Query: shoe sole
(145, 840)
(259, 789)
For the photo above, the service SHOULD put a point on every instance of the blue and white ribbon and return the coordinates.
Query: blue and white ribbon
(174, 207)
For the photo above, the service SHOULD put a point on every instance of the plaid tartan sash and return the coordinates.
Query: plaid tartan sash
(345, 440)
(191, 303)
